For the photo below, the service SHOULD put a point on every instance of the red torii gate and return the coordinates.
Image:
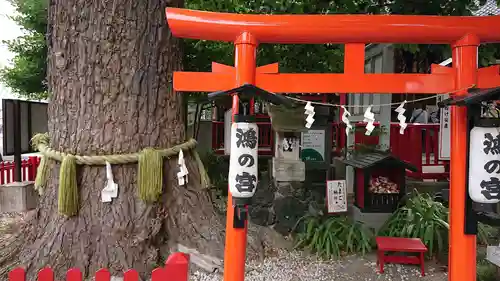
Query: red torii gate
(464, 34)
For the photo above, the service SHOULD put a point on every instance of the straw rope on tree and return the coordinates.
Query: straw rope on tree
(150, 170)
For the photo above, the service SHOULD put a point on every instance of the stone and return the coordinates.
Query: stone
(315, 208)
(340, 168)
(261, 216)
(493, 255)
(317, 196)
(18, 197)
(288, 170)
(264, 194)
(284, 189)
(260, 210)
(371, 220)
(205, 262)
(287, 189)
(288, 211)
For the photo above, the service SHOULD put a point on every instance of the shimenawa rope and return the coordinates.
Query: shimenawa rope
(150, 170)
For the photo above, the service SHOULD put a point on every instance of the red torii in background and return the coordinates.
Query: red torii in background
(464, 34)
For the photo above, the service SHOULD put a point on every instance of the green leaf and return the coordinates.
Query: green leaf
(334, 236)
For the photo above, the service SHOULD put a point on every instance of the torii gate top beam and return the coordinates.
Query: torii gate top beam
(341, 29)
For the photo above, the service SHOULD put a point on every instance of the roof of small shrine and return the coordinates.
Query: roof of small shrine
(490, 8)
(369, 160)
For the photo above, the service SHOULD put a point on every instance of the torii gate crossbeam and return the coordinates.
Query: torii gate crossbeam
(464, 34)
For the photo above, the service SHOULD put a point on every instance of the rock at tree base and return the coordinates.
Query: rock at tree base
(493, 255)
(17, 197)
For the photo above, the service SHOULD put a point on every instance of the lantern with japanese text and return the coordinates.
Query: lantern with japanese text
(483, 175)
(484, 161)
(243, 160)
(483, 155)
(243, 173)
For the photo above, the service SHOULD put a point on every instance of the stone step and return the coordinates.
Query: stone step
(18, 197)
(493, 255)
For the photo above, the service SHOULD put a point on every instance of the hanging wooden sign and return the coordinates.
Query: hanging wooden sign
(336, 196)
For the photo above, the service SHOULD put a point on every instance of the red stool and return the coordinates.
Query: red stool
(393, 244)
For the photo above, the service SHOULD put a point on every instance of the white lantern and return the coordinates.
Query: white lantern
(484, 164)
(243, 161)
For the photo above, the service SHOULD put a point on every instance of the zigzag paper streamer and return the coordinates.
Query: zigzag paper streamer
(183, 171)
(369, 119)
(310, 114)
(346, 121)
(402, 119)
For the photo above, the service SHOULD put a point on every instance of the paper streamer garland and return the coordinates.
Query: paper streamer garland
(369, 119)
(402, 119)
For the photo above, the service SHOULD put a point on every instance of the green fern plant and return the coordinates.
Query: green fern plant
(332, 237)
(486, 271)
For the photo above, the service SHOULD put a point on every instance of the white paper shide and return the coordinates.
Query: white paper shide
(484, 165)
(369, 118)
(182, 175)
(345, 119)
(336, 196)
(110, 190)
(309, 111)
(401, 117)
(243, 160)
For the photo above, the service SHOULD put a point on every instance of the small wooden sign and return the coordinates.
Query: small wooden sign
(336, 199)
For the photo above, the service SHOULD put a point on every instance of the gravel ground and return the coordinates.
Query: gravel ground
(298, 266)
(8, 221)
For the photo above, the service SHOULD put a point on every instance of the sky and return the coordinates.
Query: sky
(10, 30)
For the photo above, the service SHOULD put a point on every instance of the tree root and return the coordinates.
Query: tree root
(260, 240)
(12, 239)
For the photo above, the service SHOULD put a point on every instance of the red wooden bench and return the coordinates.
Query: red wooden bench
(393, 244)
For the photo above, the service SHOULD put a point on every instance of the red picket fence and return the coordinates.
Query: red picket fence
(28, 170)
(176, 269)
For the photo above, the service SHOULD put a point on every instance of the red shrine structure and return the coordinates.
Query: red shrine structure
(464, 34)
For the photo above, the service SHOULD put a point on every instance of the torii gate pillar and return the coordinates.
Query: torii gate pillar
(236, 238)
(464, 59)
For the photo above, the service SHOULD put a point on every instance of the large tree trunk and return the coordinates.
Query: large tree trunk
(110, 76)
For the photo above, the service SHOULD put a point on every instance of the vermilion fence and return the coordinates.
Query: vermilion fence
(28, 170)
(176, 269)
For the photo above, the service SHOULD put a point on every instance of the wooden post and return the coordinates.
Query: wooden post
(17, 141)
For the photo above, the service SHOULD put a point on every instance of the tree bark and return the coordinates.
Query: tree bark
(110, 67)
